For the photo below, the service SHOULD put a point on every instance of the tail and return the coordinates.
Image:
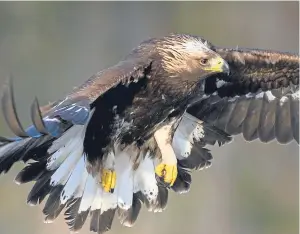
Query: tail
(58, 168)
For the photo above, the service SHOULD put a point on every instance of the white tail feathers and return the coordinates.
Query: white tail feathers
(124, 183)
(70, 172)
(75, 182)
(89, 193)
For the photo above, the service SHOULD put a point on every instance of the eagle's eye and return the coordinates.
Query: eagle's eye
(203, 61)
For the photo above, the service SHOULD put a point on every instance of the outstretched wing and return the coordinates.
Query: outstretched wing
(260, 98)
(130, 70)
(55, 146)
(76, 106)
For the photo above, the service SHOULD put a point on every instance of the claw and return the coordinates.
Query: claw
(168, 173)
(108, 180)
(37, 118)
(9, 110)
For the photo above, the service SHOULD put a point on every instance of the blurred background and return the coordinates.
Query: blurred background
(50, 47)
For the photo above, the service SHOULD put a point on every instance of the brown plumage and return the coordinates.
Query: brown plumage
(260, 98)
(135, 130)
(261, 69)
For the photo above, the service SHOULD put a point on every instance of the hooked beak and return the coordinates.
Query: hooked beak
(217, 65)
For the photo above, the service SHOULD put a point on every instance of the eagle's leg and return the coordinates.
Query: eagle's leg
(108, 174)
(167, 168)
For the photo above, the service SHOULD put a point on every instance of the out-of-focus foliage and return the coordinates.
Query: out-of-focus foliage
(50, 47)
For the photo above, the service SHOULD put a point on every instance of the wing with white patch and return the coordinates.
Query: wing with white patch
(65, 143)
(56, 146)
(189, 142)
(259, 99)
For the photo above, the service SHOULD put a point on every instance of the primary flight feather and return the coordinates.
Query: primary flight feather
(135, 130)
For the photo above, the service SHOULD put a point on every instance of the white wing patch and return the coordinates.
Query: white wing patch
(145, 181)
(71, 140)
(62, 173)
(296, 95)
(270, 96)
(283, 100)
(88, 194)
(109, 201)
(189, 130)
(124, 183)
(98, 199)
(78, 174)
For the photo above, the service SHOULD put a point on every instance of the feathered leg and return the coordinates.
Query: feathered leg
(167, 167)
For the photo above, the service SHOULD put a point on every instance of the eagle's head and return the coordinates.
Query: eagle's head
(190, 58)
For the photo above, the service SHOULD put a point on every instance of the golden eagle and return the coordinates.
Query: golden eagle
(134, 131)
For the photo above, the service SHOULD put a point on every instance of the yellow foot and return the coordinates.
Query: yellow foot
(108, 180)
(168, 173)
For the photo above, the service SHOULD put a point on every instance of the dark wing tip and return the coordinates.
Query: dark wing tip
(36, 117)
(4, 140)
(105, 220)
(129, 217)
(9, 110)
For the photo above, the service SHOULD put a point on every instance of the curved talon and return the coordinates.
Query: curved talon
(108, 180)
(9, 110)
(37, 118)
(168, 173)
